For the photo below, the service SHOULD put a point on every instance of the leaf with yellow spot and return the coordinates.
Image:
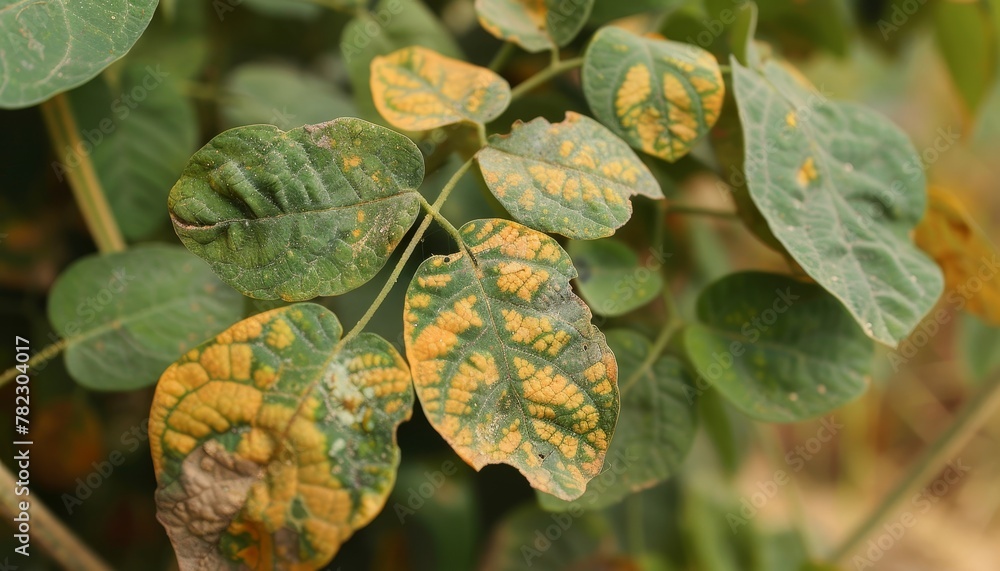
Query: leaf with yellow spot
(535, 25)
(780, 350)
(417, 89)
(506, 363)
(658, 95)
(273, 442)
(655, 429)
(840, 188)
(294, 215)
(950, 235)
(125, 316)
(574, 178)
(612, 280)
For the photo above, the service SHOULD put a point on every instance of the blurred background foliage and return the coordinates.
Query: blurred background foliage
(930, 65)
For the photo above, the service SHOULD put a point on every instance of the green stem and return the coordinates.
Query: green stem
(40, 357)
(46, 529)
(675, 208)
(674, 324)
(546, 74)
(433, 211)
(82, 179)
(976, 411)
(394, 276)
(503, 56)
(481, 133)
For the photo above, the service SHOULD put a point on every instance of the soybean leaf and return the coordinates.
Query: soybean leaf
(658, 95)
(312, 211)
(778, 349)
(967, 39)
(535, 25)
(125, 316)
(417, 89)
(836, 185)
(506, 363)
(612, 281)
(139, 145)
(574, 178)
(392, 25)
(54, 46)
(950, 236)
(274, 441)
(655, 430)
(282, 96)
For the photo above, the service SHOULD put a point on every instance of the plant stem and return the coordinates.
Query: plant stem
(674, 323)
(481, 133)
(503, 56)
(82, 179)
(976, 411)
(47, 530)
(541, 77)
(394, 276)
(674, 208)
(40, 357)
(448, 226)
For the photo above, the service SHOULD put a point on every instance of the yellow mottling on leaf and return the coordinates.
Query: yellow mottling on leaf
(519, 278)
(807, 172)
(435, 281)
(790, 119)
(280, 336)
(566, 148)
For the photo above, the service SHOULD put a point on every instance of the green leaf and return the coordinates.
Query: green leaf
(138, 148)
(799, 25)
(54, 46)
(417, 89)
(573, 178)
(841, 189)
(505, 361)
(401, 24)
(655, 430)
(778, 349)
(535, 25)
(126, 316)
(312, 211)
(281, 95)
(274, 441)
(967, 40)
(612, 280)
(658, 95)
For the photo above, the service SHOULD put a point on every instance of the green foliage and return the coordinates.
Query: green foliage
(54, 46)
(313, 211)
(273, 434)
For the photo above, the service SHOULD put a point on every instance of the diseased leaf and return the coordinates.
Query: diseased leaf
(778, 349)
(612, 281)
(655, 430)
(273, 442)
(573, 178)
(506, 363)
(535, 25)
(137, 151)
(950, 236)
(49, 47)
(658, 95)
(312, 211)
(837, 185)
(409, 23)
(125, 316)
(417, 89)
